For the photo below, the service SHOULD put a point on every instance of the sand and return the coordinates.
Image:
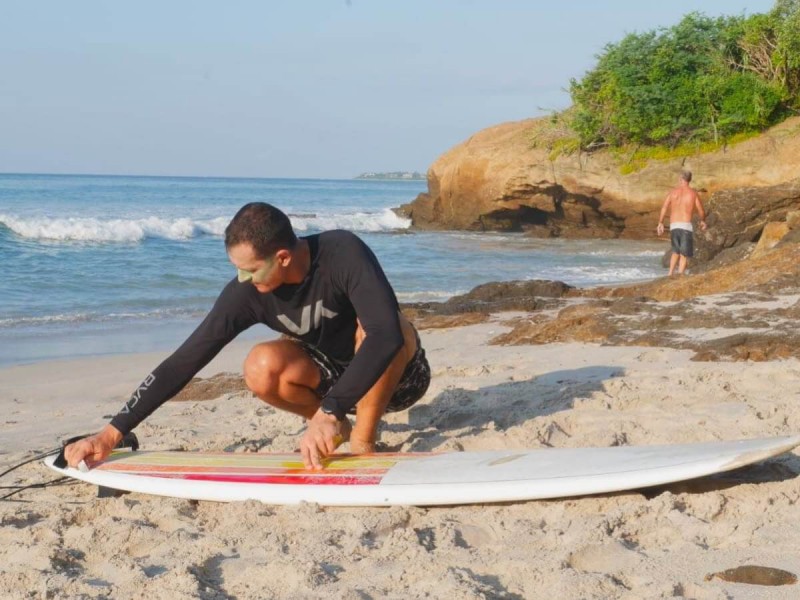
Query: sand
(61, 541)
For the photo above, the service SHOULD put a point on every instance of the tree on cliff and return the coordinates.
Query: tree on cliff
(702, 79)
(770, 48)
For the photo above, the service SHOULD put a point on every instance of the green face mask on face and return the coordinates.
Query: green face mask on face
(258, 276)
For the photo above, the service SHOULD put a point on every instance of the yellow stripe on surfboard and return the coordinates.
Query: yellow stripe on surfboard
(285, 461)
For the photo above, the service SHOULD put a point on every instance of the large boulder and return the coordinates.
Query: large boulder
(772, 234)
(739, 216)
(507, 178)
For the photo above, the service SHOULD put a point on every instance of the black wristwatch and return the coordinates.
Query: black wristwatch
(332, 411)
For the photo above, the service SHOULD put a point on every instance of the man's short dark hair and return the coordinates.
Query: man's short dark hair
(686, 176)
(263, 226)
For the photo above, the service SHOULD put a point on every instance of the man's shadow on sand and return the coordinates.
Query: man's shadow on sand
(501, 406)
(507, 404)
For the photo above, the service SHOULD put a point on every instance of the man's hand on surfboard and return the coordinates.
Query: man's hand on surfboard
(323, 435)
(94, 447)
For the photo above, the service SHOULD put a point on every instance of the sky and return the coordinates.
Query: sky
(291, 88)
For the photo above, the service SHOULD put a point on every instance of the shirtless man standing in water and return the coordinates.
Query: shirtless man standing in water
(681, 203)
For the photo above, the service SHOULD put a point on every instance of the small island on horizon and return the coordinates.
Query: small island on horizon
(404, 175)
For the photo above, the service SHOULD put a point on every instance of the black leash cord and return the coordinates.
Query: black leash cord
(31, 486)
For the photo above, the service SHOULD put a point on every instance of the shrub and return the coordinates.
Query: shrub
(702, 79)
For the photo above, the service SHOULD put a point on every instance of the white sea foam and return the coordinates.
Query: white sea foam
(626, 252)
(427, 296)
(386, 220)
(90, 229)
(48, 319)
(68, 318)
(607, 274)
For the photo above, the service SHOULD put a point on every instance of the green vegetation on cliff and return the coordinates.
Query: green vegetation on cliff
(704, 80)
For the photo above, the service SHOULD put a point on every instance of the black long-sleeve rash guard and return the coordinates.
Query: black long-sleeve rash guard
(345, 282)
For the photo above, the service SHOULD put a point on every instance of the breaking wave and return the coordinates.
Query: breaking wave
(95, 230)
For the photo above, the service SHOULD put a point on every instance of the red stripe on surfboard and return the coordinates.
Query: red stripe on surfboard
(277, 479)
(155, 470)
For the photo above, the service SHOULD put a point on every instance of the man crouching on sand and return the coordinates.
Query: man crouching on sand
(346, 348)
(681, 203)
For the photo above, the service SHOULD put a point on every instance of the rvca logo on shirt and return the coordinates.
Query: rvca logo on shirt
(137, 395)
(306, 318)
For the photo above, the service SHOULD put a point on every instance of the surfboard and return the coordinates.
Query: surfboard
(420, 479)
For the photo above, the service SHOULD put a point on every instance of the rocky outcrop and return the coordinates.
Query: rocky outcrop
(775, 269)
(740, 215)
(506, 178)
(487, 298)
(748, 309)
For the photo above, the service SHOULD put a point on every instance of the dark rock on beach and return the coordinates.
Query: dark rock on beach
(504, 296)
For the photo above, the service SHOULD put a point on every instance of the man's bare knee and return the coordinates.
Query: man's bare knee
(262, 369)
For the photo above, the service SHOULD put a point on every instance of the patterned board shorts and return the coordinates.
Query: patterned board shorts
(413, 384)
(682, 242)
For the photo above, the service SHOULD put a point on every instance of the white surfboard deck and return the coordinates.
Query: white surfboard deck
(421, 479)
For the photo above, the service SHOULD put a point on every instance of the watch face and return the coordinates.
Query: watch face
(328, 411)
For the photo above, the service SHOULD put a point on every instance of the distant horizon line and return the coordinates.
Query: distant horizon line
(40, 173)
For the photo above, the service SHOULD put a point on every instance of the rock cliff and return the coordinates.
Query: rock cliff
(502, 179)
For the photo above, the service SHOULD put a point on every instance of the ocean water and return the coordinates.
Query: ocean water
(95, 265)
